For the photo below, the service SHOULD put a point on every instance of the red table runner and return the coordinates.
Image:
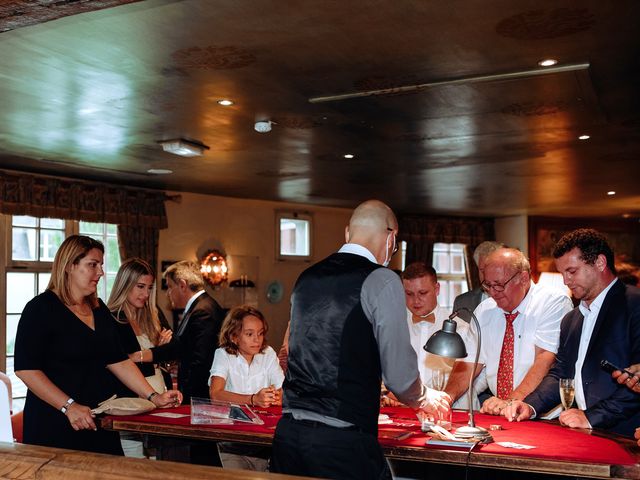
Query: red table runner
(551, 441)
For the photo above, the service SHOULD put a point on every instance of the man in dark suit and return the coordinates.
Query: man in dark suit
(199, 329)
(472, 298)
(605, 326)
(197, 336)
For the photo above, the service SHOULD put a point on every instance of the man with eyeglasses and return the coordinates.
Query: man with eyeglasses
(520, 325)
(348, 332)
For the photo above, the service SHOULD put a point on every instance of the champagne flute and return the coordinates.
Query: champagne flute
(567, 392)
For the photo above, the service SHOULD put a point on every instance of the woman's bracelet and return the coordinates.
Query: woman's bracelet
(251, 401)
(66, 405)
(141, 360)
(151, 395)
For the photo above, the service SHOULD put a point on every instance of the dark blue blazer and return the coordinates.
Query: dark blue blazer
(615, 337)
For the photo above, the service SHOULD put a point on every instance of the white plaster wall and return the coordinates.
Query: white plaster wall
(513, 231)
(246, 227)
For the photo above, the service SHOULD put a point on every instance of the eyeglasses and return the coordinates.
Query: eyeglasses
(498, 287)
(395, 244)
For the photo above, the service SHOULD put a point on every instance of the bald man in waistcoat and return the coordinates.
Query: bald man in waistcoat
(348, 332)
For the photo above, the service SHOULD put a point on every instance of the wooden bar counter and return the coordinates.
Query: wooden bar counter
(27, 462)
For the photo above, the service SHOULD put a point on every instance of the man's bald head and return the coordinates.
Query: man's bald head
(372, 214)
(374, 226)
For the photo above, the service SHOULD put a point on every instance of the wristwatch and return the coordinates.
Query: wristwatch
(66, 406)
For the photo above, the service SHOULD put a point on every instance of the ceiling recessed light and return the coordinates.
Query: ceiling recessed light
(548, 62)
(349, 155)
(584, 137)
(262, 126)
(611, 192)
(225, 102)
(159, 171)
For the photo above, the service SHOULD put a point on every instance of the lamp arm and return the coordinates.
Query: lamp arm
(472, 422)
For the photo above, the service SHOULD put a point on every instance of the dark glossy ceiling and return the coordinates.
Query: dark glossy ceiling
(487, 132)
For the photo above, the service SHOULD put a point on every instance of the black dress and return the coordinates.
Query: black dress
(74, 357)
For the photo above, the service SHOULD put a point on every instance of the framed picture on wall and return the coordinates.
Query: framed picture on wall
(623, 235)
(164, 264)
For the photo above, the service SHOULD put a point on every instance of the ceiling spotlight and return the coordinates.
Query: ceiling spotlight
(611, 192)
(159, 171)
(185, 148)
(225, 102)
(349, 155)
(263, 126)
(584, 137)
(548, 62)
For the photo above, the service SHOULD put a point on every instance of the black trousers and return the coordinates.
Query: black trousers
(312, 449)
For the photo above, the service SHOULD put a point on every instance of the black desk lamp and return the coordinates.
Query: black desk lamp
(448, 343)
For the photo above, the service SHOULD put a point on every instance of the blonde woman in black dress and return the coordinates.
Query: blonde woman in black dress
(66, 345)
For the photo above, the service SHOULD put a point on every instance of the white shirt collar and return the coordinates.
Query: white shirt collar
(191, 300)
(357, 249)
(597, 302)
(522, 307)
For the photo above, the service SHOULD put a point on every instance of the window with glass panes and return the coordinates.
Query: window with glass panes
(108, 235)
(448, 261)
(34, 243)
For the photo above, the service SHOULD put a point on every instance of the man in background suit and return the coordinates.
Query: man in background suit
(605, 326)
(199, 329)
(472, 298)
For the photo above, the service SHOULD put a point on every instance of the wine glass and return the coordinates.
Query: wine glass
(567, 392)
(438, 379)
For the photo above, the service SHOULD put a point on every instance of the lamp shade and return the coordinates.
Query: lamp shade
(446, 342)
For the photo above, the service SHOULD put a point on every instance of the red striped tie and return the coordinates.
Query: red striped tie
(505, 369)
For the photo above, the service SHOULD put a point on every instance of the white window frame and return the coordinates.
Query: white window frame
(293, 215)
(447, 277)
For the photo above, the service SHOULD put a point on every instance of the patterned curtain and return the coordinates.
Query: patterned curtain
(139, 213)
(139, 242)
(422, 231)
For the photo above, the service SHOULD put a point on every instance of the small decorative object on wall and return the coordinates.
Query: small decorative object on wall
(275, 291)
(214, 267)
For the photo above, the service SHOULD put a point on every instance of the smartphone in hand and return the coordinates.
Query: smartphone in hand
(610, 368)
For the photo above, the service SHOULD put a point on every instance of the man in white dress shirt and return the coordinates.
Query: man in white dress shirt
(425, 317)
(520, 327)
